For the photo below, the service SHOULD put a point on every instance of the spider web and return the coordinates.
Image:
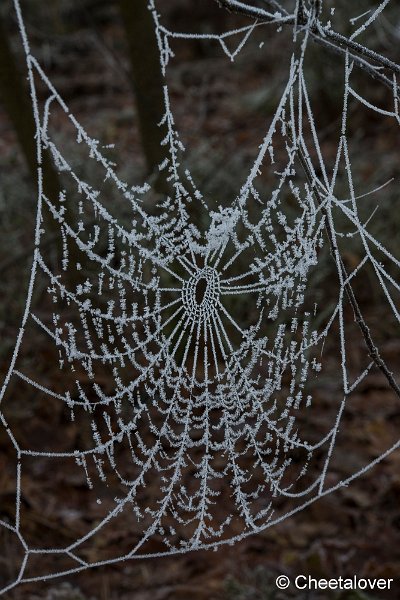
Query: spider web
(210, 403)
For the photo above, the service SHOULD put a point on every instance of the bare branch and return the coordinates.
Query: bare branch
(358, 317)
(254, 12)
(321, 35)
(360, 62)
(345, 42)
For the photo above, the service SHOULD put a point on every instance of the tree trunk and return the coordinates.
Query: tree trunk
(15, 100)
(147, 82)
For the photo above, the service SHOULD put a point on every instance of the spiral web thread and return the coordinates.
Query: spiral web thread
(196, 390)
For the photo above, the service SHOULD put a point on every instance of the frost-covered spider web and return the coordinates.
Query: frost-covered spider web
(189, 343)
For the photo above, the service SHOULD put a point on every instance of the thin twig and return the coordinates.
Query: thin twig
(341, 40)
(321, 35)
(359, 319)
(360, 62)
(250, 11)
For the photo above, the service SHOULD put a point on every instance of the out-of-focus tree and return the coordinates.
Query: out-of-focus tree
(147, 82)
(14, 97)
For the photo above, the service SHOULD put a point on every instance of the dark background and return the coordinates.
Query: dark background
(222, 111)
